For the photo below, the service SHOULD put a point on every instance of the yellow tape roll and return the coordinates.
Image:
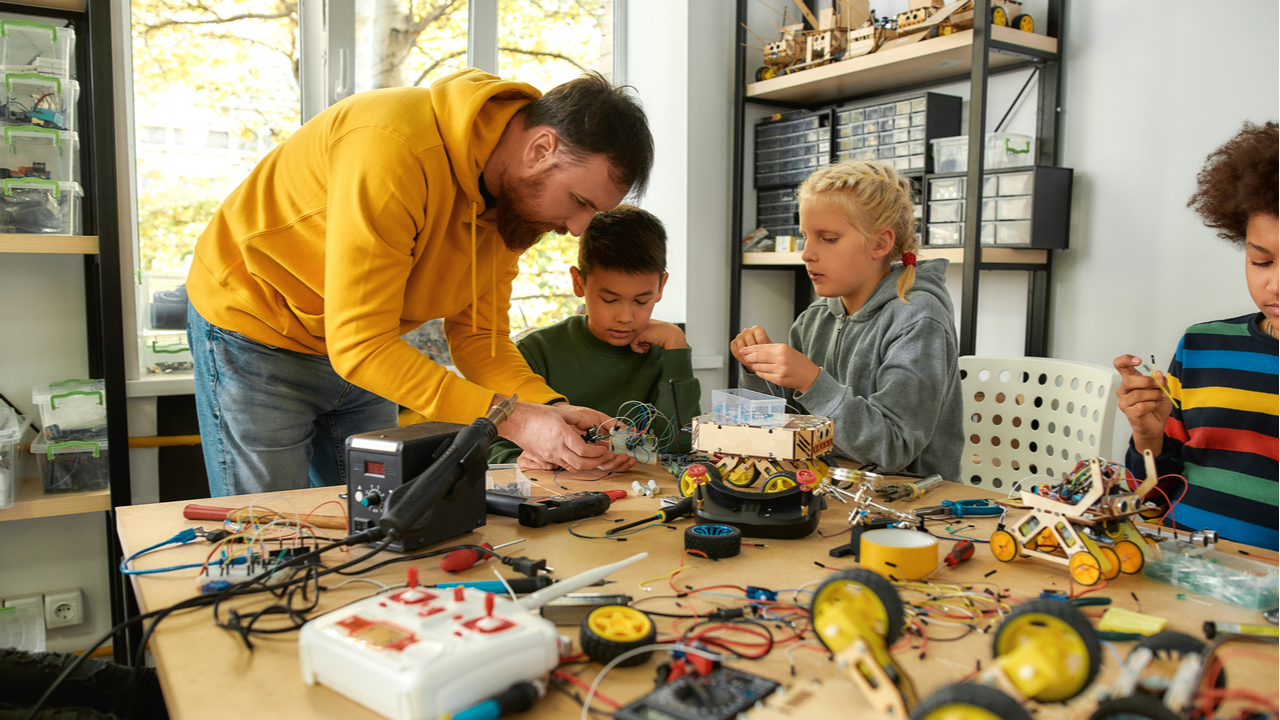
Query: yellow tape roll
(899, 554)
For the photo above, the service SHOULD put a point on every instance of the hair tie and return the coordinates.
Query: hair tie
(909, 259)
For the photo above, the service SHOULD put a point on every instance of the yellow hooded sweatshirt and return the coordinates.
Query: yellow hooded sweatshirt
(361, 227)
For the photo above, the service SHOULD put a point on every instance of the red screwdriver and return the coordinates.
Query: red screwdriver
(962, 551)
(466, 557)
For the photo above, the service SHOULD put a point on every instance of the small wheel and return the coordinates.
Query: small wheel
(1064, 635)
(999, 17)
(716, 541)
(1134, 707)
(760, 73)
(1024, 23)
(1110, 562)
(969, 701)
(768, 72)
(1004, 546)
(1131, 559)
(742, 475)
(612, 630)
(850, 598)
(780, 481)
(686, 480)
(1085, 568)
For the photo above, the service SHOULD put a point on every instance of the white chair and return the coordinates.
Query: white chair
(1030, 416)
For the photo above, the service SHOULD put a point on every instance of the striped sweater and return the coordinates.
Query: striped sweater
(1223, 438)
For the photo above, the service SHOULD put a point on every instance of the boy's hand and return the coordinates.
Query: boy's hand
(1143, 403)
(754, 335)
(780, 364)
(660, 333)
(552, 434)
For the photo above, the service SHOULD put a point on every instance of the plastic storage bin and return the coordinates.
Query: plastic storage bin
(1017, 183)
(12, 426)
(40, 100)
(1002, 150)
(740, 406)
(167, 353)
(29, 46)
(1230, 578)
(72, 409)
(1013, 232)
(946, 211)
(34, 206)
(44, 153)
(73, 465)
(1011, 208)
(946, 233)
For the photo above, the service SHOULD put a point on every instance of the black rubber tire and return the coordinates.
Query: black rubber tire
(760, 74)
(1172, 645)
(1016, 22)
(881, 588)
(973, 695)
(717, 541)
(1067, 613)
(1132, 708)
(603, 650)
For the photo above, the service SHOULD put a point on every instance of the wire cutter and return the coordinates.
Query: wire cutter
(960, 508)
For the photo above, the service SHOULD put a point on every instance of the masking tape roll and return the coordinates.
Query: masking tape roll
(899, 554)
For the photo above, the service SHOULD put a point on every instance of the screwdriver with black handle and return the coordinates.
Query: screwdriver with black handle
(684, 508)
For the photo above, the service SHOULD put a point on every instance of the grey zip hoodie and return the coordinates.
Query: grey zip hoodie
(890, 377)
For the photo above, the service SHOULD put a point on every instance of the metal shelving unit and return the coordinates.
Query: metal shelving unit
(972, 55)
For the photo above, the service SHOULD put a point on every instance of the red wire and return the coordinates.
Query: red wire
(579, 682)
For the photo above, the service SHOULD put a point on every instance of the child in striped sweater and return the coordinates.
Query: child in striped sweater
(1216, 425)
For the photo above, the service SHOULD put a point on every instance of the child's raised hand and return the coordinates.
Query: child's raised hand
(780, 364)
(660, 333)
(754, 335)
(1143, 403)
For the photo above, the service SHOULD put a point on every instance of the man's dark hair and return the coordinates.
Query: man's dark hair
(1239, 179)
(625, 239)
(594, 117)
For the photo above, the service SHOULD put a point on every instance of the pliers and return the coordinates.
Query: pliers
(960, 508)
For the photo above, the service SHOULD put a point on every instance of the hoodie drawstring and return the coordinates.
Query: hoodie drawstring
(493, 282)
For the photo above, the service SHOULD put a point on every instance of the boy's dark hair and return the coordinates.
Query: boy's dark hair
(594, 117)
(1239, 179)
(625, 239)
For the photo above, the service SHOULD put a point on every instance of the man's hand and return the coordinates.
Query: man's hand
(660, 333)
(1143, 403)
(754, 335)
(552, 435)
(780, 364)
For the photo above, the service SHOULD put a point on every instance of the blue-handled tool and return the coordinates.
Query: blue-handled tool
(961, 508)
(520, 585)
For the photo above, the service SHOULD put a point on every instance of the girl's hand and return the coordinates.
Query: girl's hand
(1143, 403)
(754, 335)
(780, 364)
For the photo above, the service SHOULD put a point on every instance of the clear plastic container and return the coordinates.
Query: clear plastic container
(902, 149)
(867, 153)
(1247, 583)
(22, 628)
(40, 100)
(12, 426)
(902, 122)
(916, 132)
(38, 152)
(34, 206)
(1016, 183)
(73, 465)
(740, 406)
(989, 233)
(917, 119)
(1002, 150)
(1013, 232)
(902, 107)
(990, 185)
(871, 139)
(873, 113)
(166, 353)
(916, 162)
(919, 105)
(37, 47)
(946, 211)
(1013, 208)
(887, 151)
(72, 409)
(902, 163)
(946, 233)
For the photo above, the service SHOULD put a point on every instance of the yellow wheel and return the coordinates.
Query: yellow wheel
(687, 481)
(851, 600)
(969, 701)
(1048, 649)
(999, 17)
(1109, 561)
(1131, 559)
(612, 630)
(1024, 23)
(743, 475)
(1085, 568)
(1004, 546)
(778, 482)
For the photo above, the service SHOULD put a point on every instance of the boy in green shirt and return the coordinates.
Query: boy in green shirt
(616, 353)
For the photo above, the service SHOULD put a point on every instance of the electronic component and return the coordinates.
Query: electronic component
(540, 512)
(719, 695)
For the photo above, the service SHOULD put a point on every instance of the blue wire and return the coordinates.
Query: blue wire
(181, 538)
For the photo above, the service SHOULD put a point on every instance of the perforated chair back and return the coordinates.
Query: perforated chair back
(1029, 416)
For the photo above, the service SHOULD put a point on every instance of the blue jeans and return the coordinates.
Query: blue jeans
(273, 419)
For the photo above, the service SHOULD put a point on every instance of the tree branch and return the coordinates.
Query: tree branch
(220, 20)
(544, 53)
(438, 62)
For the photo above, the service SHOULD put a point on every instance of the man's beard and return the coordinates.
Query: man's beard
(517, 204)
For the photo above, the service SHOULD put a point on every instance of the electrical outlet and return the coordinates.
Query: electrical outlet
(63, 608)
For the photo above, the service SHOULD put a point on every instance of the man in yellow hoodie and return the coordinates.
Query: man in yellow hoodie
(391, 208)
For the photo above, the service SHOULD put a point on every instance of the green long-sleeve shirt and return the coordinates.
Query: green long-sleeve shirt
(590, 372)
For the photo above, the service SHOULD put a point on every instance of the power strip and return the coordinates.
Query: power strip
(248, 566)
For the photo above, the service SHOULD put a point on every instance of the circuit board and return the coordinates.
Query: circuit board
(718, 695)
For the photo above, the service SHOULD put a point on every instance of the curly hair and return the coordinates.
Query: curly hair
(1238, 179)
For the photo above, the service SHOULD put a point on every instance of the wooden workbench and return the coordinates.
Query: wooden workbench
(207, 672)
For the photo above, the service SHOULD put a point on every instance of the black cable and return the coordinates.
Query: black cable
(30, 422)
(1018, 97)
(422, 556)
